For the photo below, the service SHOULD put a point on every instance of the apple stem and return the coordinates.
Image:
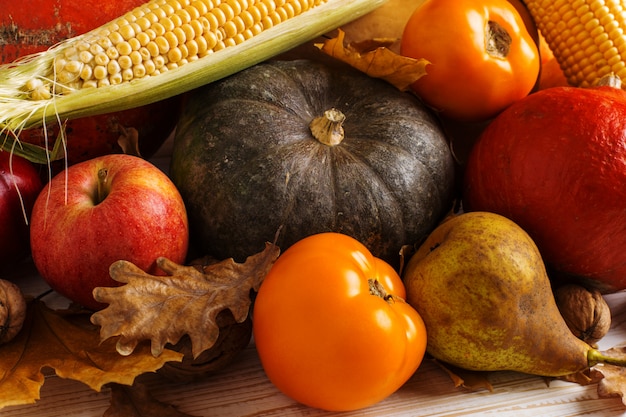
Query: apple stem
(103, 175)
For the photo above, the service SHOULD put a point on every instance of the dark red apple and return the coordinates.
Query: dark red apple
(102, 210)
(19, 187)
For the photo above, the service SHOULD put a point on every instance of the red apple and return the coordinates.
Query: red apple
(19, 187)
(102, 210)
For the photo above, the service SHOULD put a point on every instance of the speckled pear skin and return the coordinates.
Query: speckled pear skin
(480, 285)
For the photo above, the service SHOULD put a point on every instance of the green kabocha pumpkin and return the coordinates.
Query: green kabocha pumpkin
(300, 147)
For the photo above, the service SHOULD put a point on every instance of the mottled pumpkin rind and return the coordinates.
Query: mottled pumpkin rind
(247, 164)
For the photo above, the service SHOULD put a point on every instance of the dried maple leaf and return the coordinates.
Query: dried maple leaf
(374, 59)
(72, 349)
(136, 401)
(187, 301)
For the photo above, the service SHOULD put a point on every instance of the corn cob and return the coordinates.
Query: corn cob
(156, 51)
(587, 37)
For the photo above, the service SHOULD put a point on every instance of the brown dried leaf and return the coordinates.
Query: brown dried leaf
(129, 140)
(472, 380)
(374, 59)
(587, 377)
(613, 382)
(136, 401)
(72, 347)
(187, 301)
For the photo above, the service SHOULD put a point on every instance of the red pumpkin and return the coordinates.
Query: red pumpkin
(33, 26)
(555, 163)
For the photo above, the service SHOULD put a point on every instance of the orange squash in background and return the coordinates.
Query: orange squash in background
(555, 163)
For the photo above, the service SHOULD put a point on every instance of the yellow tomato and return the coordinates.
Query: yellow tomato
(331, 327)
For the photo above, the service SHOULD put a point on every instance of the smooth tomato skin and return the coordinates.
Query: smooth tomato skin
(463, 80)
(322, 338)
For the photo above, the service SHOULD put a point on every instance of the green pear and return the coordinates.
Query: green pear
(480, 284)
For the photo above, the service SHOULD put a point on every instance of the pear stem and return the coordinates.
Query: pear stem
(594, 357)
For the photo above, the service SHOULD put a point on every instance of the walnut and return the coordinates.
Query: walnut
(585, 311)
(12, 311)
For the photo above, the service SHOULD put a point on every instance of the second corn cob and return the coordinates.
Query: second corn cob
(587, 37)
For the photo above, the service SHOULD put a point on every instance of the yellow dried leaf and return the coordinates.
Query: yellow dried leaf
(186, 301)
(373, 58)
(72, 347)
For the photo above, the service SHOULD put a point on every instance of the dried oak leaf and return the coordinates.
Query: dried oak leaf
(186, 301)
(72, 349)
(136, 401)
(376, 60)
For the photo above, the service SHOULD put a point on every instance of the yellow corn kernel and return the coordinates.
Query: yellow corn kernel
(127, 74)
(112, 53)
(134, 44)
(113, 68)
(90, 84)
(124, 48)
(174, 55)
(101, 59)
(172, 39)
(100, 72)
(139, 71)
(149, 66)
(73, 66)
(116, 78)
(125, 62)
(127, 32)
(86, 73)
(86, 57)
(136, 57)
(587, 37)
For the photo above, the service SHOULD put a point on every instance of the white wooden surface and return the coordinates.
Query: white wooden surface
(243, 390)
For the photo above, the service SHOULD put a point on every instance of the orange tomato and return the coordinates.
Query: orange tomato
(326, 334)
(482, 56)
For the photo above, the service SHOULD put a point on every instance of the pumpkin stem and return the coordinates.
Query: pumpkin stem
(328, 128)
